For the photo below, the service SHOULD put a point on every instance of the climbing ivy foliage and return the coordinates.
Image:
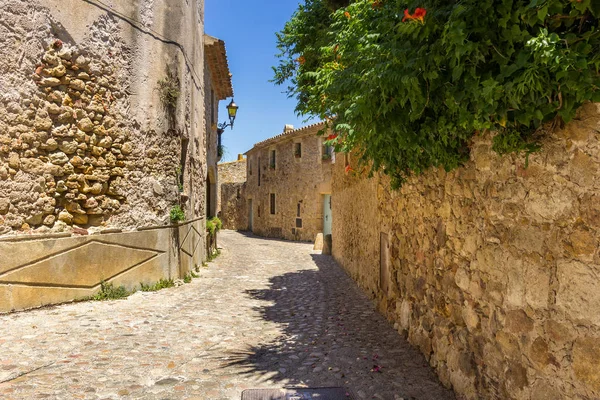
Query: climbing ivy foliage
(409, 93)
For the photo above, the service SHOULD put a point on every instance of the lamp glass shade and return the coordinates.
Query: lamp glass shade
(232, 110)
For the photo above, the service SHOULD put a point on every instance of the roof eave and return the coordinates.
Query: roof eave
(216, 57)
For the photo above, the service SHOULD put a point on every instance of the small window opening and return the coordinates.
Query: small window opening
(297, 150)
(327, 152)
(272, 203)
(212, 106)
(258, 168)
(298, 222)
(273, 159)
(238, 193)
(298, 211)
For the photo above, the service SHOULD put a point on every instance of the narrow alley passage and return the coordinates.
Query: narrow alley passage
(265, 314)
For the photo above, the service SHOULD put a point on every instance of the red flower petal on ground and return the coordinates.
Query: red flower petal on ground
(376, 368)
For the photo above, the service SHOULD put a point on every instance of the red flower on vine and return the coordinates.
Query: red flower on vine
(348, 169)
(377, 3)
(419, 15)
(332, 136)
(301, 60)
(347, 14)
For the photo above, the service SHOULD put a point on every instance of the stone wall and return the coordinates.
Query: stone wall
(85, 138)
(298, 184)
(233, 206)
(491, 270)
(90, 145)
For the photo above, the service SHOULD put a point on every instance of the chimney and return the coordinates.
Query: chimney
(288, 128)
(240, 157)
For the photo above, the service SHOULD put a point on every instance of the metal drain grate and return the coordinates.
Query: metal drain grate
(297, 394)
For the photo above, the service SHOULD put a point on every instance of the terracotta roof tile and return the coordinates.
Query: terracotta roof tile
(292, 133)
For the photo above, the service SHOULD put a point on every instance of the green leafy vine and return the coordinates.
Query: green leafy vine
(408, 83)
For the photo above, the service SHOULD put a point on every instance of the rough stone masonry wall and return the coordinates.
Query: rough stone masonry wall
(233, 206)
(84, 137)
(494, 268)
(293, 181)
(234, 211)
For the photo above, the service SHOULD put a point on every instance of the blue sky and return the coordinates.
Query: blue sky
(248, 29)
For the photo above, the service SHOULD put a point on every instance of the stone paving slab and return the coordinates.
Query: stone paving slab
(265, 314)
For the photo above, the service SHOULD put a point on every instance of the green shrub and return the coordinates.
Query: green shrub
(408, 89)
(213, 225)
(161, 284)
(214, 255)
(177, 214)
(168, 88)
(109, 292)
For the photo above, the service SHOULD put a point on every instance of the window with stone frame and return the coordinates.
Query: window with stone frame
(272, 203)
(250, 166)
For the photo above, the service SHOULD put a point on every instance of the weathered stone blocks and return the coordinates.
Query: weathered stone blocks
(63, 130)
(495, 265)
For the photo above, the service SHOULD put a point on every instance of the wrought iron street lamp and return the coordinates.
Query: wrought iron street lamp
(232, 112)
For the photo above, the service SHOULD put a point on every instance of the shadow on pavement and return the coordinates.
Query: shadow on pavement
(334, 337)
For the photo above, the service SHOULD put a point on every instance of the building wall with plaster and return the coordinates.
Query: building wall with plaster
(103, 126)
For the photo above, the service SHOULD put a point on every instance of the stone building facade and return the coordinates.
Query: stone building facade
(232, 204)
(288, 187)
(104, 128)
(492, 269)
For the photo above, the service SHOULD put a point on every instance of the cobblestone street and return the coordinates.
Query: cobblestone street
(265, 314)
